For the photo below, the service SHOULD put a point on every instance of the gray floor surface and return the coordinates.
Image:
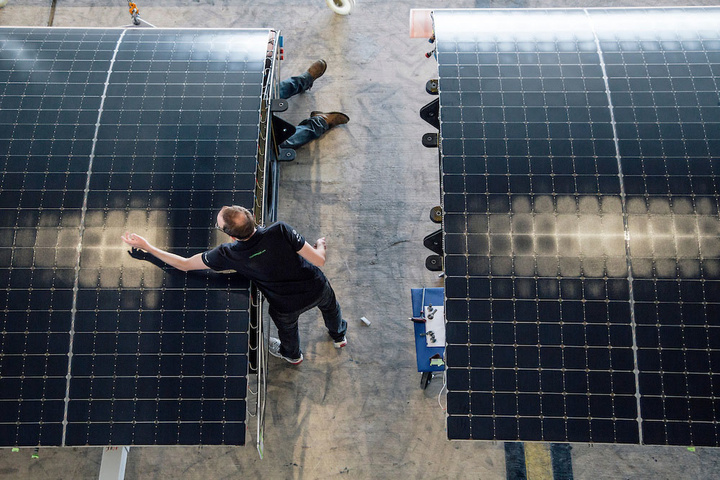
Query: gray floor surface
(368, 187)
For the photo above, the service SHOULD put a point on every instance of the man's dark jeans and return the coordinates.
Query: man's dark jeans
(287, 323)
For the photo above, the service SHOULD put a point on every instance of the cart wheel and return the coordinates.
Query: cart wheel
(425, 380)
(341, 7)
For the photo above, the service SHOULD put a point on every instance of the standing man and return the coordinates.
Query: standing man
(280, 262)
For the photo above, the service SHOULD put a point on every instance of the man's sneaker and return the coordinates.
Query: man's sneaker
(340, 343)
(274, 349)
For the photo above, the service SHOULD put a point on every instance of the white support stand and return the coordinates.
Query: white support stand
(112, 466)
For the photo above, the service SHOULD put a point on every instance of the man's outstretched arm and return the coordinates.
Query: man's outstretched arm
(181, 263)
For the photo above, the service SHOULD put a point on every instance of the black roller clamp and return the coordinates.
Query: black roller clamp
(430, 140)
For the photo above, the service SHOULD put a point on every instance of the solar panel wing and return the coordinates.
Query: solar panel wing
(548, 119)
(143, 130)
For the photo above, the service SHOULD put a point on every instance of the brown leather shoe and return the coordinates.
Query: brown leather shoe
(333, 119)
(317, 69)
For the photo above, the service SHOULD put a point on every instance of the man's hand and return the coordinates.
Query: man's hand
(136, 241)
(314, 254)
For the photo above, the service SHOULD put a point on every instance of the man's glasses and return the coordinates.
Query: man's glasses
(218, 227)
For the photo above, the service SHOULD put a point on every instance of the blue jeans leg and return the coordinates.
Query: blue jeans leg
(308, 130)
(287, 323)
(294, 85)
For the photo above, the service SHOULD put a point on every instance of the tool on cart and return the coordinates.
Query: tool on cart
(430, 335)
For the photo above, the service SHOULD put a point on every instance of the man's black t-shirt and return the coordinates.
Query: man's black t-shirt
(269, 258)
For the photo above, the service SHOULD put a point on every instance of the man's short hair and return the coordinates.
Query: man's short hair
(239, 222)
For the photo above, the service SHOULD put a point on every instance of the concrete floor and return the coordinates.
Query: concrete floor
(368, 187)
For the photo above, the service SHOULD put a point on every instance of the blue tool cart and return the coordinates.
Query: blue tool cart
(429, 359)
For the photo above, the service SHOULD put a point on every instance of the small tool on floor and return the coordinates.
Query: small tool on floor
(365, 321)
